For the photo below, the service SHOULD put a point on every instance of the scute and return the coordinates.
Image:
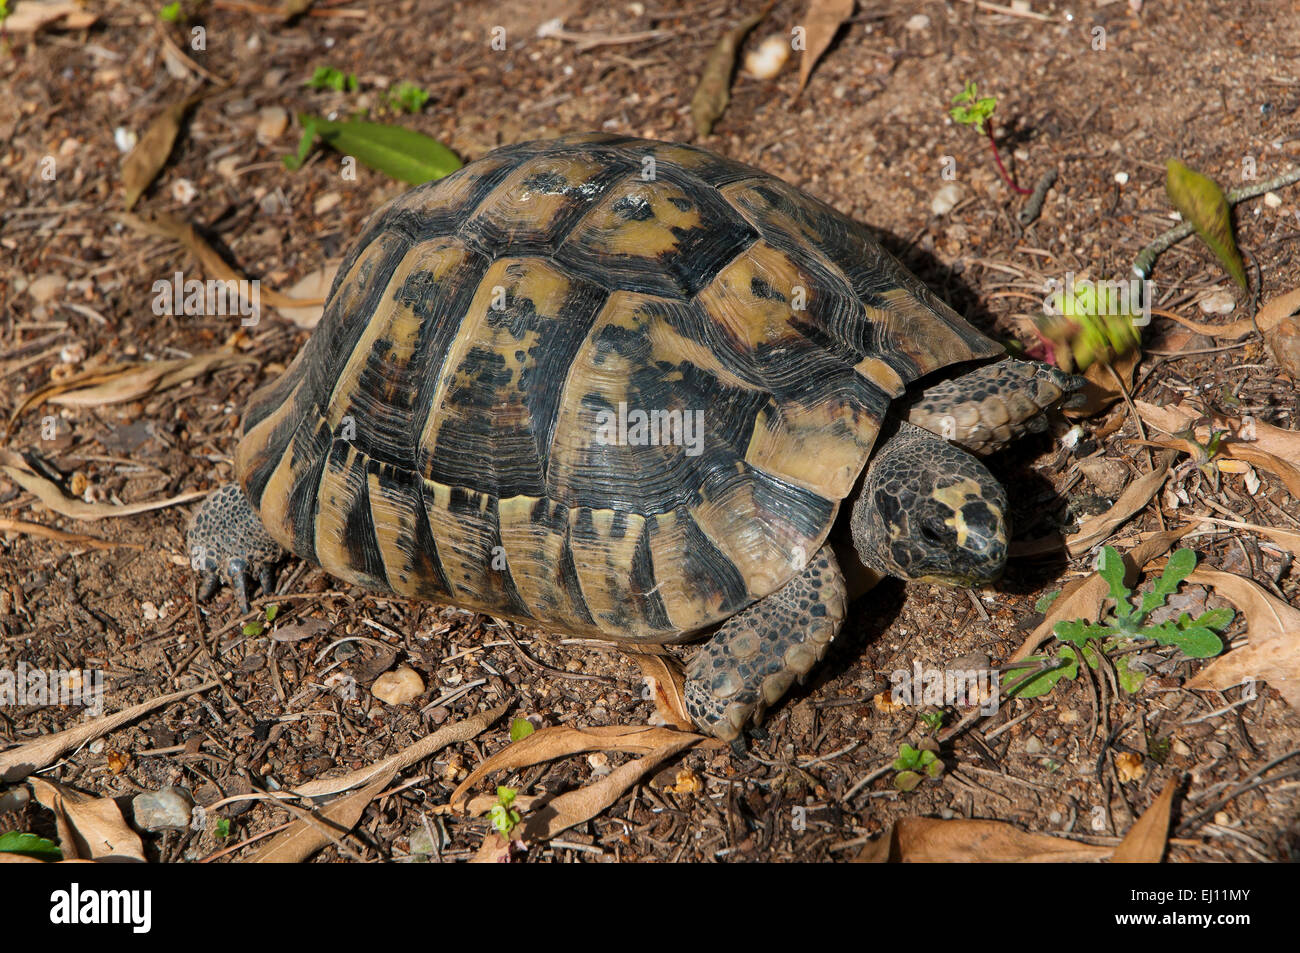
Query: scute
(606, 385)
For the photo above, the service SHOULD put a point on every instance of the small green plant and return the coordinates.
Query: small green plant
(407, 97)
(327, 77)
(257, 626)
(932, 719)
(520, 729)
(969, 108)
(170, 13)
(913, 764)
(503, 816)
(1127, 625)
(222, 829)
(29, 845)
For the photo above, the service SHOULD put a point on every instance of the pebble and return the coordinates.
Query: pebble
(272, 121)
(1108, 476)
(168, 809)
(946, 199)
(917, 23)
(1033, 745)
(1272, 200)
(183, 191)
(1121, 178)
(327, 202)
(766, 60)
(399, 686)
(1220, 302)
(226, 167)
(46, 288)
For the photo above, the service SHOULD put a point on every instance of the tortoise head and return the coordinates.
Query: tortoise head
(930, 512)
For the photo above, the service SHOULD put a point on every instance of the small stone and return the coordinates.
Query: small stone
(399, 686)
(1272, 200)
(599, 762)
(183, 191)
(272, 121)
(1179, 747)
(917, 23)
(946, 199)
(149, 610)
(46, 288)
(168, 809)
(1121, 178)
(327, 202)
(1222, 818)
(1033, 746)
(766, 60)
(1108, 476)
(1068, 716)
(125, 139)
(227, 167)
(1218, 302)
(1055, 817)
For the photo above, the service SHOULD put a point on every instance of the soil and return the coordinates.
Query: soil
(1212, 83)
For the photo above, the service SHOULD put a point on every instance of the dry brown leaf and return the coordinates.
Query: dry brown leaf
(49, 532)
(821, 22)
(1283, 339)
(928, 840)
(145, 161)
(88, 826)
(1134, 498)
(306, 835)
(1270, 315)
(213, 265)
(17, 763)
(575, 807)
(547, 744)
(1101, 391)
(17, 469)
(462, 730)
(714, 89)
(667, 686)
(30, 15)
(1147, 839)
(1288, 538)
(1273, 628)
(1083, 598)
(313, 286)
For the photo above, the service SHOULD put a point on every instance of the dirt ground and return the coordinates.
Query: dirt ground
(1212, 83)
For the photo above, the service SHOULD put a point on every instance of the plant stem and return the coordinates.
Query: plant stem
(1002, 170)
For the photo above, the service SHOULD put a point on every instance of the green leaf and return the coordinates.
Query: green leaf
(1045, 681)
(408, 97)
(29, 845)
(327, 77)
(1179, 567)
(253, 628)
(223, 827)
(170, 13)
(907, 780)
(1078, 632)
(401, 153)
(1129, 678)
(1198, 642)
(908, 757)
(272, 611)
(1202, 203)
(1045, 602)
(1217, 619)
(934, 768)
(971, 109)
(926, 758)
(520, 729)
(1111, 568)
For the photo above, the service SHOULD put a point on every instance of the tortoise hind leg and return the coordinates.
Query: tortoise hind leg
(226, 541)
(754, 658)
(985, 409)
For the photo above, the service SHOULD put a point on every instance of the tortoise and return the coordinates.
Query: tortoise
(620, 388)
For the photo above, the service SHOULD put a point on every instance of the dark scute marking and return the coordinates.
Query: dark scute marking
(359, 526)
(426, 565)
(501, 585)
(761, 289)
(649, 602)
(683, 205)
(568, 573)
(701, 564)
(311, 450)
(633, 208)
(547, 183)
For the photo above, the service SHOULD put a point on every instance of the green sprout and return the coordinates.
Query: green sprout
(913, 763)
(504, 817)
(407, 97)
(327, 77)
(257, 626)
(170, 13)
(932, 719)
(969, 108)
(29, 845)
(1125, 626)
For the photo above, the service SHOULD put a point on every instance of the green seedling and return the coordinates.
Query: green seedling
(503, 816)
(29, 845)
(170, 13)
(327, 77)
(932, 719)
(257, 626)
(1126, 625)
(520, 729)
(969, 108)
(913, 765)
(407, 97)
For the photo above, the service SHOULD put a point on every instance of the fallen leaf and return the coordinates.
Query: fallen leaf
(821, 22)
(1288, 538)
(1273, 628)
(1134, 498)
(314, 285)
(576, 807)
(145, 161)
(88, 826)
(462, 730)
(1270, 315)
(30, 15)
(667, 686)
(309, 834)
(49, 493)
(1147, 839)
(915, 840)
(1283, 339)
(1202, 203)
(1101, 389)
(714, 89)
(547, 744)
(49, 532)
(213, 265)
(18, 762)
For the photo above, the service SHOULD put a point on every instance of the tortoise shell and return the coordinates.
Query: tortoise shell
(463, 424)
